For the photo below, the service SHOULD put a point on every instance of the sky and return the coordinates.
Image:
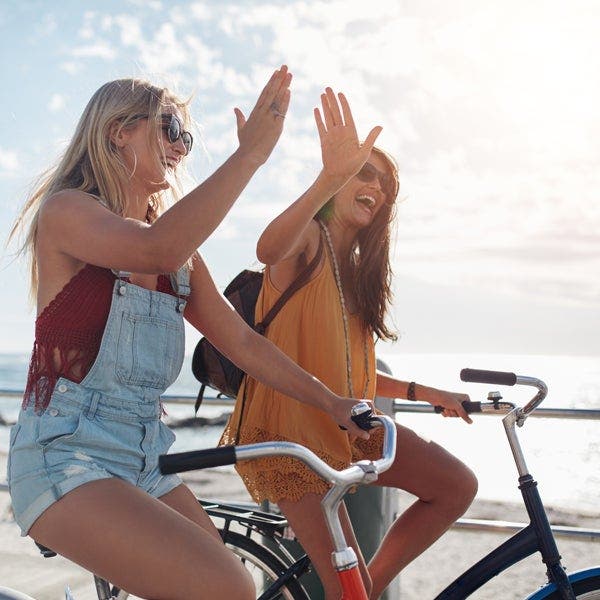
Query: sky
(490, 108)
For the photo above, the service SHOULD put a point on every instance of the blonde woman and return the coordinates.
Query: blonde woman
(114, 274)
(328, 327)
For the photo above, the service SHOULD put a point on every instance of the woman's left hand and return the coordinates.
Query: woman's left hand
(342, 152)
(451, 403)
(259, 133)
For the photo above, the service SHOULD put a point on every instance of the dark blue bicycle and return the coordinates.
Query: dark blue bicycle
(256, 537)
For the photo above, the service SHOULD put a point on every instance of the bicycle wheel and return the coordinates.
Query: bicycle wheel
(264, 566)
(585, 589)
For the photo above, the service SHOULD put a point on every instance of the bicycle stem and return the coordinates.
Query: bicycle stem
(517, 416)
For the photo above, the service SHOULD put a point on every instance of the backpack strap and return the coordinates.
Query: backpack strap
(301, 280)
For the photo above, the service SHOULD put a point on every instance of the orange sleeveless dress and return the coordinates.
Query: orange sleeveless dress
(309, 329)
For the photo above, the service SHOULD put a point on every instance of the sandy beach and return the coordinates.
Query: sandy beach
(23, 568)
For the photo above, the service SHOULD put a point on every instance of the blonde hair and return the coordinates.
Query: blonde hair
(91, 162)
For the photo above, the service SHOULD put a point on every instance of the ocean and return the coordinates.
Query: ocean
(562, 454)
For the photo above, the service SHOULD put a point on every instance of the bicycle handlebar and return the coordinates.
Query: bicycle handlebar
(228, 455)
(479, 376)
(504, 378)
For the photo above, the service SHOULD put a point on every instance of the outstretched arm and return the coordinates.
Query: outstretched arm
(290, 234)
(86, 231)
(213, 316)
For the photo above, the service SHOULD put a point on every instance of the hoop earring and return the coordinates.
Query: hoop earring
(135, 161)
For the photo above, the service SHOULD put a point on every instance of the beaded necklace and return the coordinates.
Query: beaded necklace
(338, 282)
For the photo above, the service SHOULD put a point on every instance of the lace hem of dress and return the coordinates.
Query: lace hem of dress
(275, 478)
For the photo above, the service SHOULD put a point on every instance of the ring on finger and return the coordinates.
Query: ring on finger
(275, 110)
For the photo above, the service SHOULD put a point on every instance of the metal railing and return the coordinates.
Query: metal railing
(397, 406)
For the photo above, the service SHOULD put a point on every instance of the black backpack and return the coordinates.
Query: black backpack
(214, 369)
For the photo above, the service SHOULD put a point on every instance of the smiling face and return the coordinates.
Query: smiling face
(151, 158)
(364, 195)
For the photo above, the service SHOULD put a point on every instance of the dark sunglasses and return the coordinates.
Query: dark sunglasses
(388, 183)
(173, 127)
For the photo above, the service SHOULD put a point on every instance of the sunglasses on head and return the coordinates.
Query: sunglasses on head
(173, 127)
(369, 173)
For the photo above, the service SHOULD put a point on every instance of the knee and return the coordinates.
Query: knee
(466, 490)
(471, 485)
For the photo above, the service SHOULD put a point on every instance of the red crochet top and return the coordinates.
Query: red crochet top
(69, 330)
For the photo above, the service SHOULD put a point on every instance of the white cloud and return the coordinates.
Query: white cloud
(200, 12)
(490, 109)
(97, 50)
(71, 67)
(130, 30)
(9, 161)
(57, 102)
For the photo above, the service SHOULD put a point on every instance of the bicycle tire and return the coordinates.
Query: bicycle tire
(264, 565)
(585, 589)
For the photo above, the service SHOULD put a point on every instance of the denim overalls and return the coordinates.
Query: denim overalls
(109, 424)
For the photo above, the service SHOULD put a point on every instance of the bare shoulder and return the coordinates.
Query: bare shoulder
(64, 202)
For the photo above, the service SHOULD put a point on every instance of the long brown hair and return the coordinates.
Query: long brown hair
(91, 162)
(370, 260)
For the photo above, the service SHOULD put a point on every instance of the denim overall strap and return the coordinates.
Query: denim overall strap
(180, 282)
(143, 345)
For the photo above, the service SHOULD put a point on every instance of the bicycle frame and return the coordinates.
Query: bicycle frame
(535, 537)
(344, 558)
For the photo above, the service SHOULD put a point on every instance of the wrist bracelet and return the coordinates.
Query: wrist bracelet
(410, 394)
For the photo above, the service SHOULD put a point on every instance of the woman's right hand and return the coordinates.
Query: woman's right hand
(343, 154)
(340, 412)
(259, 133)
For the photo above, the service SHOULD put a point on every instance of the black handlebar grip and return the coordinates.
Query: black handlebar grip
(497, 377)
(364, 420)
(362, 413)
(196, 459)
(470, 407)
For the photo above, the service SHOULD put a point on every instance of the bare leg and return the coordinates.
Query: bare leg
(141, 544)
(308, 522)
(186, 504)
(445, 488)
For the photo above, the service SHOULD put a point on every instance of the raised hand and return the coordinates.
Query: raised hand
(343, 154)
(259, 133)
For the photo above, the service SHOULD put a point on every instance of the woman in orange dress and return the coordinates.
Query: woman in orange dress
(328, 327)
